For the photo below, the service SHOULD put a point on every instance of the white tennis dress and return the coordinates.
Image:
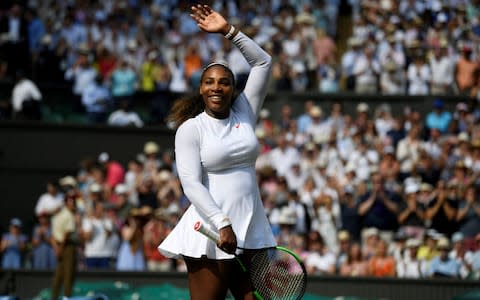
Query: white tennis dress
(216, 166)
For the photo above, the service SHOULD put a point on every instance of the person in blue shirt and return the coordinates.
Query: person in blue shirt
(442, 265)
(97, 101)
(438, 118)
(12, 245)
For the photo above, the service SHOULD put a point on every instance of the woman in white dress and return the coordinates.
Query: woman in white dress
(216, 149)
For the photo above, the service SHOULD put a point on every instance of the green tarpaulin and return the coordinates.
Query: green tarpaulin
(124, 291)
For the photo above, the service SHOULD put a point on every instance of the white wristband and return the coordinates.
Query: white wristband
(229, 34)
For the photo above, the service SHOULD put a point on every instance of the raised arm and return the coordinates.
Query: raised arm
(259, 60)
(261, 63)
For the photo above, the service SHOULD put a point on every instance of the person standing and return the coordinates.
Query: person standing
(216, 149)
(64, 243)
(12, 245)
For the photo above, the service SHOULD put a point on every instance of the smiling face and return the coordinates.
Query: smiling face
(216, 88)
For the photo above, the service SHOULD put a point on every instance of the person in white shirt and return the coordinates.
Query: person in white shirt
(96, 231)
(50, 202)
(25, 98)
(409, 266)
(419, 76)
(123, 116)
(283, 156)
(366, 71)
(442, 67)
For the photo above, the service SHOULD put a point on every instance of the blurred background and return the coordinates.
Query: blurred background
(369, 139)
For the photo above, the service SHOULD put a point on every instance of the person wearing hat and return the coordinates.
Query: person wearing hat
(64, 241)
(152, 162)
(438, 118)
(13, 245)
(348, 62)
(409, 265)
(442, 265)
(344, 242)
(411, 216)
(366, 71)
(131, 256)
(461, 253)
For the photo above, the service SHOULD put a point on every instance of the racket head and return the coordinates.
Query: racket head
(278, 274)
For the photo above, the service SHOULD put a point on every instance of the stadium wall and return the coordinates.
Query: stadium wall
(26, 284)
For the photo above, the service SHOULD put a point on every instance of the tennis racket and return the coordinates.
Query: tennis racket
(275, 273)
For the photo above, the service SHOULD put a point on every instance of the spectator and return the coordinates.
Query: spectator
(26, 98)
(96, 230)
(13, 245)
(411, 217)
(81, 74)
(354, 265)
(43, 256)
(442, 210)
(442, 68)
(442, 265)
(465, 71)
(342, 254)
(319, 259)
(381, 264)
(114, 174)
(50, 201)
(461, 254)
(378, 207)
(408, 151)
(123, 82)
(155, 231)
(124, 116)
(96, 101)
(348, 62)
(476, 258)
(419, 76)
(130, 255)
(350, 219)
(409, 266)
(468, 214)
(284, 155)
(438, 118)
(366, 71)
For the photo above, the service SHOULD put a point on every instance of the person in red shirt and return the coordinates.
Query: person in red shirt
(114, 174)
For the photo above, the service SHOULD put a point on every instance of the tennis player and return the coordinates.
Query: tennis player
(216, 149)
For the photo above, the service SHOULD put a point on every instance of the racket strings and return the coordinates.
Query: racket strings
(277, 275)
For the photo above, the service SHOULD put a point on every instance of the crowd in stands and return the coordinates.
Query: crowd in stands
(109, 51)
(363, 194)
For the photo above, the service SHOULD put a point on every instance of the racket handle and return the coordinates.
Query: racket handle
(206, 231)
